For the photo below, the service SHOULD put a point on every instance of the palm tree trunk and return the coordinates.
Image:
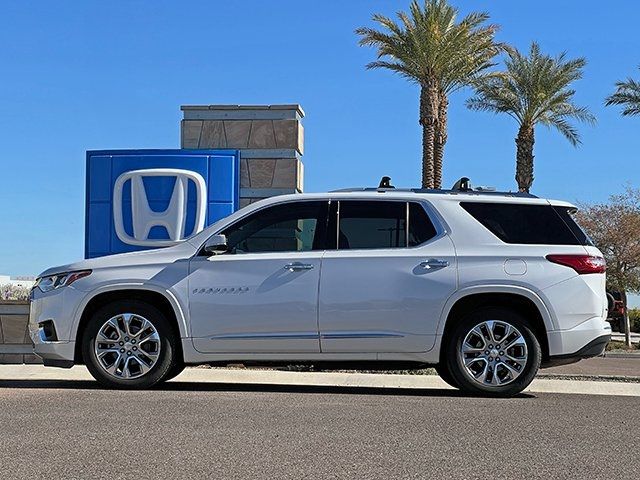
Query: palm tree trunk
(440, 140)
(524, 157)
(428, 112)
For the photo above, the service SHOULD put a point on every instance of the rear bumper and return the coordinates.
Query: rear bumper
(563, 342)
(592, 349)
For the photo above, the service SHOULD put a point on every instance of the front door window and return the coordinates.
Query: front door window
(289, 227)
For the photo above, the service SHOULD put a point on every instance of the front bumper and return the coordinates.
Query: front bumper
(56, 354)
(53, 353)
(53, 307)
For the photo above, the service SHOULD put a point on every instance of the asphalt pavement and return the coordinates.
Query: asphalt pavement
(611, 365)
(68, 429)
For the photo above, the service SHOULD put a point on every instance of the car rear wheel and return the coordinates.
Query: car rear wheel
(129, 344)
(176, 370)
(493, 352)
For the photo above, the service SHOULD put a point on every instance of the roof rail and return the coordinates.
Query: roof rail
(436, 191)
(462, 186)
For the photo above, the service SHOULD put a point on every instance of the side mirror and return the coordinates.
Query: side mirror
(216, 244)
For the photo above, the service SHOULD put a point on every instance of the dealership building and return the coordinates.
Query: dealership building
(270, 140)
(229, 157)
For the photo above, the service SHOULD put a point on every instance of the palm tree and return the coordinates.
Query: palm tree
(430, 49)
(534, 89)
(628, 95)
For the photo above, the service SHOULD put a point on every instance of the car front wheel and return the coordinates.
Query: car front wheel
(129, 344)
(443, 372)
(493, 352)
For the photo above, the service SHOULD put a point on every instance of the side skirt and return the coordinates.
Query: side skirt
(194, 357)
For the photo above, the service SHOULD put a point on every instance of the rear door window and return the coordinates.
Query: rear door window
(528, 224)
(382, 224)
(364, 225)
(421, 229)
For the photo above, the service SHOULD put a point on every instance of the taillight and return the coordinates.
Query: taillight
(580, 263)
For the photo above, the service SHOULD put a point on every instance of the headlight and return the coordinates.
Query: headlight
(59, 280)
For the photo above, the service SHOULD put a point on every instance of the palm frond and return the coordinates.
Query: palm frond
(627, 94)
(534, 88)
(397, 67)
(564, 127)
(432, 45)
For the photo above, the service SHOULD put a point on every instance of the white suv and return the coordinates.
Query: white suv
(486, 287)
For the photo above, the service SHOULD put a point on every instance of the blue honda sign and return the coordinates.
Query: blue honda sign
(140, 199)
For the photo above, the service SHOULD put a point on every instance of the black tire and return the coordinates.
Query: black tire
(176, 370)
(464, 379)
(445, 374)
(165, 361)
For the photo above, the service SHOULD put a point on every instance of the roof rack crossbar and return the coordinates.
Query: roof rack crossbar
(462, 186)
(435, 191)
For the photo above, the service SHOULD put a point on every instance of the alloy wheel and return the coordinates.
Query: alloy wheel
(127, 346)
(494, 353)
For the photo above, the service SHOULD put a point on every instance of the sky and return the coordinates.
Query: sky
(100, 75)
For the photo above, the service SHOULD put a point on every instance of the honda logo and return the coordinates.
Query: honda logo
(143, 218)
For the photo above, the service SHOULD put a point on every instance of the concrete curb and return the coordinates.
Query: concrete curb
(621, 355)
(586, 377)
(320, 379)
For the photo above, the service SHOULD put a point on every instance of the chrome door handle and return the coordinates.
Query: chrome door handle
(434, 263)
(297, 266)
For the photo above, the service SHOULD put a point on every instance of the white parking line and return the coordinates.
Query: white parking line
(328, 379)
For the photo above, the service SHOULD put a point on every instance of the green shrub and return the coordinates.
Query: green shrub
(617, 345)
(634, 319)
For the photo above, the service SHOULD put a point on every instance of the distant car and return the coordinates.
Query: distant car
(487, 287)
(615, 307)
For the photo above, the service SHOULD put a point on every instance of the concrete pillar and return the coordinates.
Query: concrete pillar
(270, 139)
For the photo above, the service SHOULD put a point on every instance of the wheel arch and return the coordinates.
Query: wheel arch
(521, 300)
(160, 299)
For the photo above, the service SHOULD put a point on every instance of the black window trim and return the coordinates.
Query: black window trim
(430, 211)
(327, 209)
(549, 204)
(332, 221)
(571, 210)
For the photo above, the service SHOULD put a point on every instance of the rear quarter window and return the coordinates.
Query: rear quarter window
(528, 224)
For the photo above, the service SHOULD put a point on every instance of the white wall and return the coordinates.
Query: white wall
(17, 281)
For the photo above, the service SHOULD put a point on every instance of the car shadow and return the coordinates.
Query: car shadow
(179, 386)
